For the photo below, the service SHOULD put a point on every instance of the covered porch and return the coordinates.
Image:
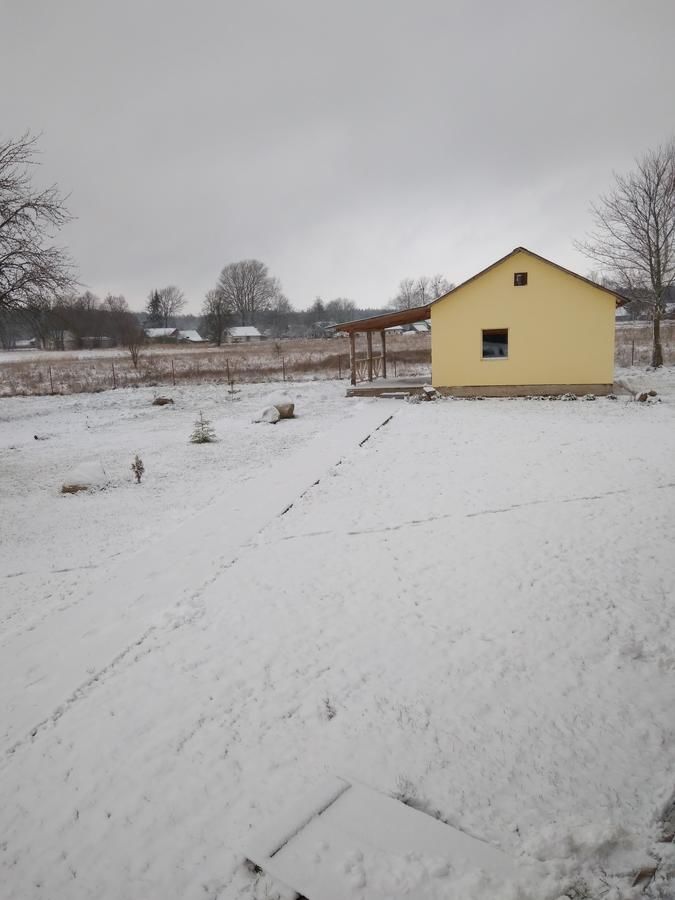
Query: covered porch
(373, 365)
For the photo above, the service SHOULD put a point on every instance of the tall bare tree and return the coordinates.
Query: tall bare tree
(439, 285)
(633, 239)
(406, 297)
(341, 309)
(31, 267)
(248, 288)
(164, 304)
(217, 315)
(420, 291)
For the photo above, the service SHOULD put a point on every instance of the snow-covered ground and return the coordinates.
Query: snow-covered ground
(472, 610)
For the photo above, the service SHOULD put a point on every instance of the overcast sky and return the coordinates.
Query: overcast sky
(346, 144)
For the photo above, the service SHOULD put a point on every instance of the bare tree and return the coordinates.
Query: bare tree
(634, 234)
(47, 320)
(420, 291)
(127, 330)
(279, 315)
(341, 309)
(248, 289)
(132, 337)
(164, 304)
(115, 304)
(439, 285)
(406, 296)
(217, 315)
(31, 268)
(423, 290)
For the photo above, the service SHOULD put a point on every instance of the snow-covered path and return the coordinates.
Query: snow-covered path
(473, 611)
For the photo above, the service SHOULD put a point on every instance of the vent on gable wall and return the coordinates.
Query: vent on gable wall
(519, 279)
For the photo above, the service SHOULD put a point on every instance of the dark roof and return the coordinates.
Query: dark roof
(387, 320)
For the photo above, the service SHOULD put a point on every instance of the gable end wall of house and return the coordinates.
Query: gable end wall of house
(560, 330)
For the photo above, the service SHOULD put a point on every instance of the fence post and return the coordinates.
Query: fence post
(173, 374)
(227, 366)
(51, 382)
(632, 352)
(394, 367)
(283, 368)
(339, 367)
(114, 378)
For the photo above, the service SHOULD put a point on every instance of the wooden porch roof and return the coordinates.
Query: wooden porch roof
(387, 320)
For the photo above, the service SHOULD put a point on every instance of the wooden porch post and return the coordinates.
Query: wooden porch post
(369, 338)
(384, 353)
(352, 357)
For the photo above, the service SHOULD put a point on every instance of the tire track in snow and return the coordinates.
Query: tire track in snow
(308, 463)
(414, 523)
(82, 691)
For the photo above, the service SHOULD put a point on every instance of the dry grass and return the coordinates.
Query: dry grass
(72, 372)
(634, 343)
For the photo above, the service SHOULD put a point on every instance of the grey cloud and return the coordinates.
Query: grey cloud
(347, 145)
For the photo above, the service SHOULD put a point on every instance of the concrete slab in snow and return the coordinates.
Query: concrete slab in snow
(347, 840)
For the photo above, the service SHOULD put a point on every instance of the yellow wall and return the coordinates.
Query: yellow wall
(561, 329)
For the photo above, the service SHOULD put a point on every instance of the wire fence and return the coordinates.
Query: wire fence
(100, 373)
(278, 362)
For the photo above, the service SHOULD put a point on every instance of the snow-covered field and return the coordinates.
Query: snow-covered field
(471, 610)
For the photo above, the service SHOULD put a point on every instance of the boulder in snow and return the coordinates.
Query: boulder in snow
(283, 403)
(269, 414)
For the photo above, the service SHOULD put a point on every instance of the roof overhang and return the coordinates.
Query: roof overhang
(387, 320)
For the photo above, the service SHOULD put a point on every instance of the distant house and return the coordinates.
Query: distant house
(191, 337)
(92, 342)
(238, 334)
(622, 314)
(322, 329)
(27, 344)
(161, 334)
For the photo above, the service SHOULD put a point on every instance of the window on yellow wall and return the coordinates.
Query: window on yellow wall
(495, 343)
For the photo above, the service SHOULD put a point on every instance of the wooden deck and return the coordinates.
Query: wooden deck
(394, 388)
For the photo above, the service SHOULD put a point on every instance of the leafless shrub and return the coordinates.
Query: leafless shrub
(137, 468)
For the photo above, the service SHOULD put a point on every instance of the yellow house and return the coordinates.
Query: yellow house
(524, 325)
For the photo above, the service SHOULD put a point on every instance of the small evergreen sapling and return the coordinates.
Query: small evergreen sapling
(137, 468)
(203, 432)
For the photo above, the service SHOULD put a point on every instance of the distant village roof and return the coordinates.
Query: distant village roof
(161, 332)
(192, 336)
(243, 331)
